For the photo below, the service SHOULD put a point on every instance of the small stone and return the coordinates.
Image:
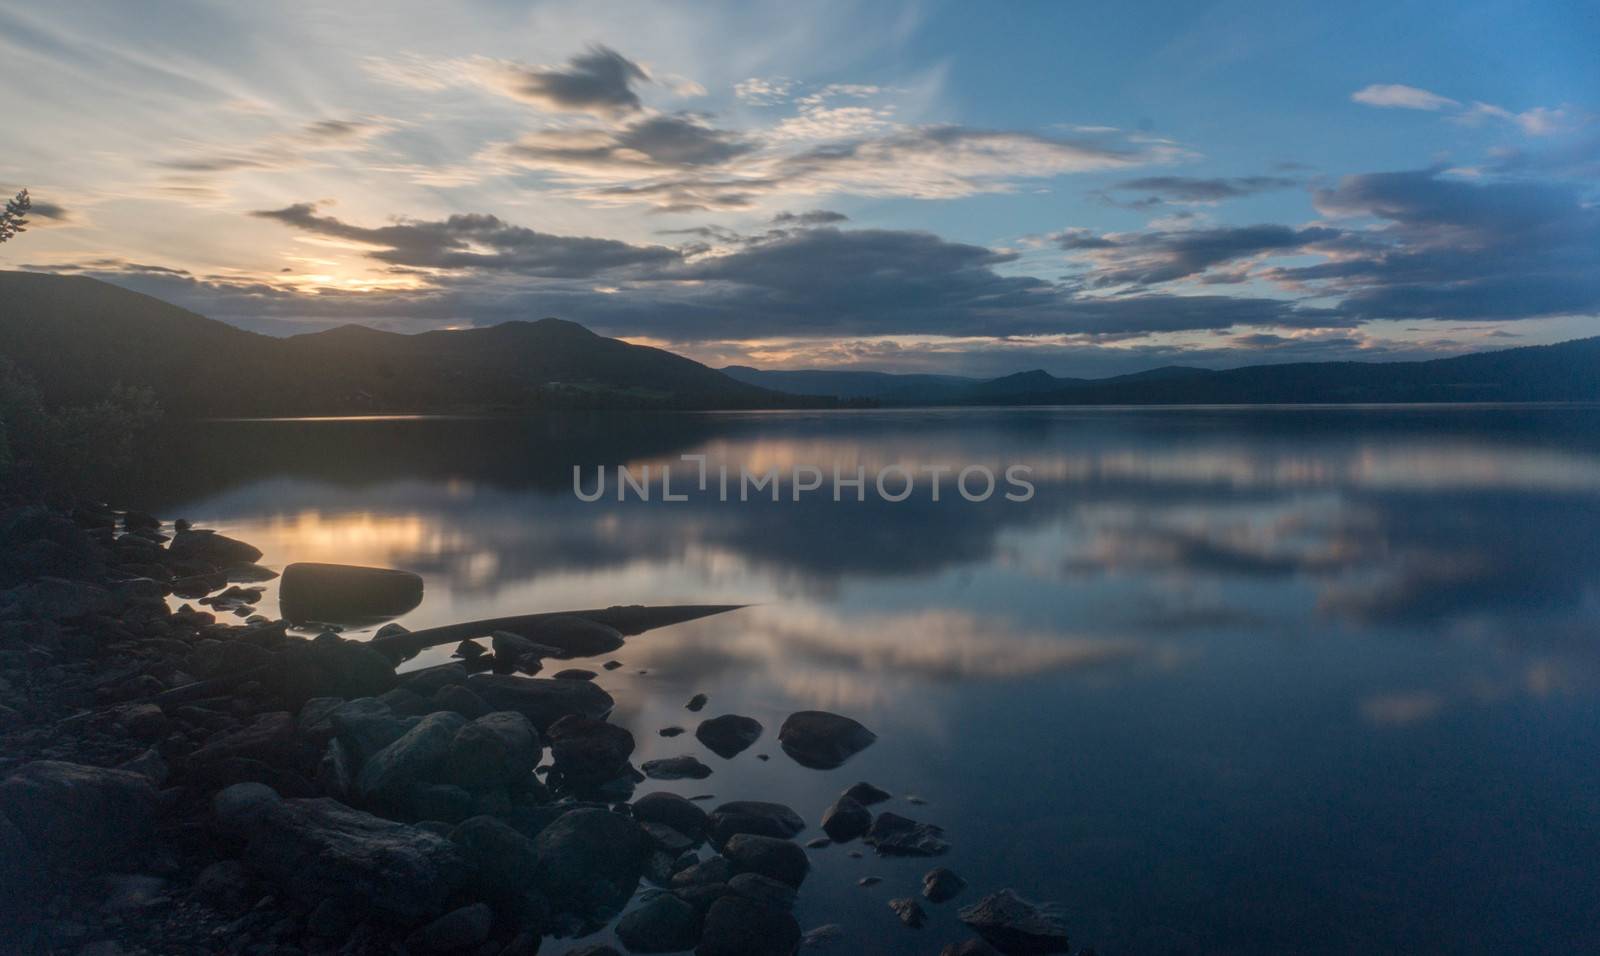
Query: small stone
(1015, 925)
(575, 673)
(894, 835)
(611, 665)
(469, 650)
(909, 911)
(671, 810)
(670, 731)
(866, 794)
(696, 703)
(869, 881)
(822, 740)
(826, 936)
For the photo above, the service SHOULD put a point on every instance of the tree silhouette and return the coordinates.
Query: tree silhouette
(14, 219)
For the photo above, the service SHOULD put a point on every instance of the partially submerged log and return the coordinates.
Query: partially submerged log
(628, 620)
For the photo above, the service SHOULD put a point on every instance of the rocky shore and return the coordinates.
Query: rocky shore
(206, 780)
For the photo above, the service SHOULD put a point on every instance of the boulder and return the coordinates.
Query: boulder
(502, 860)
(457, 698)
(73, 815)
(268, 738)
(822, 740)
(342, 593)
(866, 794)
(318, 849)
(493, 750)
(735, 926)
(415, 757)
(753, 816)
(662, 924)
(587, 752)
(239, 808)
(675, 768)
(457, 930)
(542, 701)
(940, 884)
(846, 820)
(894, 835)
(1014, 925)
(365, 726)
(330, 666)
(590, 860)
(55, 599)
(764, 890)
(727, 736)
(771, 857)
(211, 548)
(427, 681)
(671, 810)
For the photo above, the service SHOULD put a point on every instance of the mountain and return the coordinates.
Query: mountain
(77, 336)
(842, 384)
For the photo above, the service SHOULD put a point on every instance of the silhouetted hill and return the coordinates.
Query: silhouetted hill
(78, 336)
(843, 384)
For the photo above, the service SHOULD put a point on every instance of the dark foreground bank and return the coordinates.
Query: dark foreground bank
(205, 781)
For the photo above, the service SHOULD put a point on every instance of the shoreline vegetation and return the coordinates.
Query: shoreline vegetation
(208, 779)
(85, 342)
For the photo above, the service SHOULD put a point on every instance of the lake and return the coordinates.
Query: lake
(1312, 680)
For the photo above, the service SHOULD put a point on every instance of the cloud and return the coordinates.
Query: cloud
(477, 242)
(1152, 258)
(817, 217)
(1400, 96)
(599, 81)
(288, 149)
(1189, 189)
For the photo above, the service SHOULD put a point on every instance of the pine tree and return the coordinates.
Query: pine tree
(14, 219)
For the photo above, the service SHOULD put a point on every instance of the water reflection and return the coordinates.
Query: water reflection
(1242, 681)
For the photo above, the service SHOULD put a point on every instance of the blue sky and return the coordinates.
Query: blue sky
(1086, 188)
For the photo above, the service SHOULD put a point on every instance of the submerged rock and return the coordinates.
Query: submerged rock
(771, 857)
(343, 593)
(940, 884)
(212, 548)
(671, 810)
(696, 703)
(866, 794)
(676, 768)
(588, 752)
(910, 911)
(846, 820)
(822, 740)
(729, 735)
(894, 835)
(1014, 925)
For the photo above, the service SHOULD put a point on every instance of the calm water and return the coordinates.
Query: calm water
(1266, 681)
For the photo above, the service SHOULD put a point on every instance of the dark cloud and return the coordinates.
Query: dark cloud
(478, 242)
(817, 217)
(599, 80)
(1164, 189)
(1151, 258)
(44, 209)
(654, 143)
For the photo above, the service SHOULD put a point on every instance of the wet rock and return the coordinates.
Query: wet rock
(826, 936)
(716, 871)
(729, 735)
(940, 884)
(910, 911)
(587, 753)
(671, 810)
(894, 835)
(142, 721)
(342, 593)
(574, 636)
(542, 701)
(846, 820)
(575, 673)
(735, 926)
(866, 794)
(516, 649)
(1015, 925)
(663, 924)
(493, 750)
(319, 849)
(149, 765)
(822, 740)
(771, 857)
(211, 548)
(696, 703)
(73, 815)
(249, 574)
(443, 802)
(611, 665)
(239, 808)
(764, 890)
(753, 816)
(388, 773)
(330, 666)
(818, 843)
(315, 717)
(502, 861)
(268, 738)
(54, 599)
(460, 700)
(428, 681)
(676, 768)
(365, 726)
(469, 650)
(670, 731)
(456, 930)
(404, 703)
(590, 860)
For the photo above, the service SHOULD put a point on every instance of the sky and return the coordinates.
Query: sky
(980, 189)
